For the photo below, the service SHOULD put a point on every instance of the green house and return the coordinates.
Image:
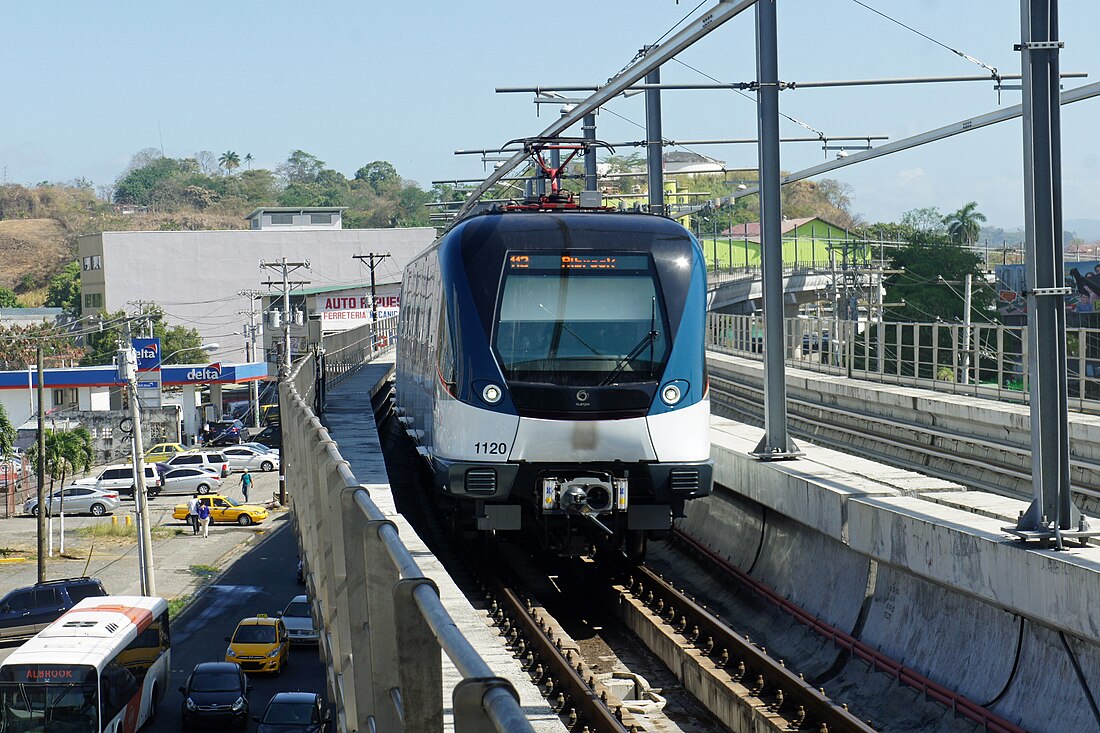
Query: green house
(810, 241)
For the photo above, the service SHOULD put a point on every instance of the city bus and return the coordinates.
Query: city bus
(100, 668)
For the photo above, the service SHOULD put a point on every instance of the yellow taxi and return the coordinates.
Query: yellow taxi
(162, 452)
(260, 644)
(224, 509)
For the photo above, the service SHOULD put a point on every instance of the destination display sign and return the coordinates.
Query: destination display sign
(571, 261)
(64, 674)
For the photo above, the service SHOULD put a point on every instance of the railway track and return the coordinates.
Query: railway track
(1004, 468)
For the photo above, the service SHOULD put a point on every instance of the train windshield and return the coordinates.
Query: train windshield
(41, 698)
(581, 319)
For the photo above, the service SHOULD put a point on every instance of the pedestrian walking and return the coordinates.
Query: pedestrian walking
(246, 484)
(204, 519)
(193, 513)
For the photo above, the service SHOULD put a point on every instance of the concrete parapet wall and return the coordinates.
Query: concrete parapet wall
(938, 588)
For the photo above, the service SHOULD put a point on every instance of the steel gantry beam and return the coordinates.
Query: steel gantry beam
(709, 21)
(1087, 91)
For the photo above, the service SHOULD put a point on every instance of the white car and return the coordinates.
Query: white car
(243, 457)
(188, 480)
(299, 622)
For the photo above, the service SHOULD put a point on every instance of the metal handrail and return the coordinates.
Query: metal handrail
(382, 621)
(987, 360)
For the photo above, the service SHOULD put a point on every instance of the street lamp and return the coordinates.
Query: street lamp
(127, 370)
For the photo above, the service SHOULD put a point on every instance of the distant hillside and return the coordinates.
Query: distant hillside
(31, 252)
(1086, 229)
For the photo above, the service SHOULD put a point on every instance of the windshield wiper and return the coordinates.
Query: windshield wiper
(648, 339)
(561, 324)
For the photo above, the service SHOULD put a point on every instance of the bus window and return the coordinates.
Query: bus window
(43, 697)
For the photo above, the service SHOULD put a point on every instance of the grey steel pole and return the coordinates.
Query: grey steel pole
(284, 368)
(654, 145)
(968, 294)
(41, 469)
(589, 130)
(1052, 510)
(775, 443)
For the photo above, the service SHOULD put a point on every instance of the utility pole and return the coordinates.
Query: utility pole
(250, 333)
(284, 366)
(41, 469)
(127, 370)
(369, 259)
(655, 173)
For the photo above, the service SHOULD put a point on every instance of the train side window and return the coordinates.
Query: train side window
(446, 354)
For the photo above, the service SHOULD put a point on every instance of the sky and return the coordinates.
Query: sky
(410, 82)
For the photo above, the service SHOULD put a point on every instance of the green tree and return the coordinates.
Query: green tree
(248, 160)
(933, 267)
(927, 219)
(67, 452)
(380, 175)
(178, 344)
(301, 167)
(964, 225)
(229, 160)
(64, 289)
(8, 299)
(7, 435)
(141, 185)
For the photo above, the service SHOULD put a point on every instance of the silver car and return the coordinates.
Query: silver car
(245, 458)
(299, 622)
(190, 481)
(78, 500)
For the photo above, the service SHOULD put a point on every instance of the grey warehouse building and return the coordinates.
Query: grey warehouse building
(196, 276)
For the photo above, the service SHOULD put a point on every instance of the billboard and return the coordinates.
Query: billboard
(1082, 278)
(345, 309)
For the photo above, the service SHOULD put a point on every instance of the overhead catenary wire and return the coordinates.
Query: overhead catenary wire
(991, 69)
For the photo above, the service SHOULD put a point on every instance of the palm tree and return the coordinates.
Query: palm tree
(67, 452)
(964, 225)
(248, 160)
(229, 160)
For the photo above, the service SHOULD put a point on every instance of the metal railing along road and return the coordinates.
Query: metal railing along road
(983, 360)
(344, 351)
(382, 621)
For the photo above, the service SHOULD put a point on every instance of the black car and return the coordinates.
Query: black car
(26, 611)
(216, 693)
(294, 712)
(271, 436)
(226, 432)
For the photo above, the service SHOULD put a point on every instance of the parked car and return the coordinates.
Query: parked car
(246, 458)
(163, 451)
(226, 432)
(261, 447)
(26, 611)
(216, 694)
(260, 644)
(299, 621)
(226, 510)
(120, 478)
(199, 459)
(188, 480)
(271, 436)
(77, 500)
(295, 712)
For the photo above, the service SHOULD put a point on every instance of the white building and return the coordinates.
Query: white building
(197, 277)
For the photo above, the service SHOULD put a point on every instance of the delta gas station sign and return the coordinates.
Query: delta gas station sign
(345, 309)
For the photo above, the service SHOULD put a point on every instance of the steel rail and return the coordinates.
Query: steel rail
(878, 661)
(707, 22)
(929, 450)
(751, 665)
(559, 672)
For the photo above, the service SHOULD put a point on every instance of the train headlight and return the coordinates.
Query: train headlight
(671, 394)
(491, 394)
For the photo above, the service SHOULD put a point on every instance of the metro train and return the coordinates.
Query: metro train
(550, 368)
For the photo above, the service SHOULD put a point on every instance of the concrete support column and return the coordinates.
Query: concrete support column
(190, 413)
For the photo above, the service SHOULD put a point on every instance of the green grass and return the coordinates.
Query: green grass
(176, 605)
(121, 531)
(205, 571)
